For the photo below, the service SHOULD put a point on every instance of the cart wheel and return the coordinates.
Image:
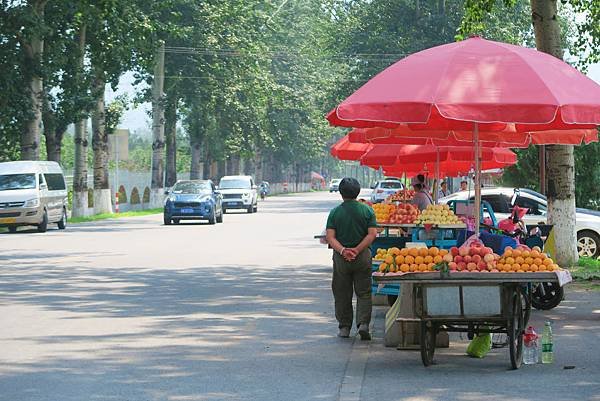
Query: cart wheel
(428, 332)
(546, 296)
(391, 299)
(515, 331)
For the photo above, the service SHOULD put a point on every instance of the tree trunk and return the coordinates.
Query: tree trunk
(197, 164)
(102, 195)
(80, 187)
(80, 173)
(30, 137)
(258, 166)
(171, 139)
(158, 131)
(560, 161)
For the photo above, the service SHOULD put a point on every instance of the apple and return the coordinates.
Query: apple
(454, 251)
(471, 266)
(461, 266)
(476, 258)
(490, 266)
(463, 251)
(474, 251)
(458, 259)
(453, 266)
(482, 266)
(488, 257)
(447, 258)
(495, 271)
(468, 258)
(486, 251)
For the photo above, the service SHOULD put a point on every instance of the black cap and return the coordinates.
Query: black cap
(349, 188)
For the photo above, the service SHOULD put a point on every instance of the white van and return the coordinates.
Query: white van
(32, 193)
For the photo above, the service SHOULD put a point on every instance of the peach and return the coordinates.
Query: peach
(476, 258)
(471, 266)
(453, 266)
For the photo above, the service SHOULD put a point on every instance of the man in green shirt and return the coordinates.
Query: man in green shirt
(351, 228)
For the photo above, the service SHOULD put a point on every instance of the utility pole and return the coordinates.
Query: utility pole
(158, 130)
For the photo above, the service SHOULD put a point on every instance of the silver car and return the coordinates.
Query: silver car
(32, 193)
(502, 199)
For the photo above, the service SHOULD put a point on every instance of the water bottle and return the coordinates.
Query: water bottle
(530, 351)
(547, 345)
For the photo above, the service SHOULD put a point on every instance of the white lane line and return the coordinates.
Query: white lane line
(354, 375)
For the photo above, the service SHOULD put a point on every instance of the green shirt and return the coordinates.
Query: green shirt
(351, 221)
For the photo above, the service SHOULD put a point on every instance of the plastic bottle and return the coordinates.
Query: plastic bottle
(530, 351)
(547, 345)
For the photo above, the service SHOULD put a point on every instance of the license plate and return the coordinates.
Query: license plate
(187, 210)
(8, 220)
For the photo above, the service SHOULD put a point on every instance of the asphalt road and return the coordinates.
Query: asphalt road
(133, 310)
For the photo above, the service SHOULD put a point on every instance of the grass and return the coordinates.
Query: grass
(587, 269)
(105, 216)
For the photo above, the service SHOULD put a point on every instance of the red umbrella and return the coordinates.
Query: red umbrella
(346, 150)
(499, 86)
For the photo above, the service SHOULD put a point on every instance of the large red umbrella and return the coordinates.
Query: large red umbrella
(343, 149)
(497, 85)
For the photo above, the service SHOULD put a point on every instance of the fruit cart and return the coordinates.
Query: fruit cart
(472, 303)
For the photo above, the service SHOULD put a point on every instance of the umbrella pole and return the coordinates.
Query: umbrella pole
(436, 188)
(477, 178)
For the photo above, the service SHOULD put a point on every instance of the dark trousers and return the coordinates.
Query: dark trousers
(348, 278)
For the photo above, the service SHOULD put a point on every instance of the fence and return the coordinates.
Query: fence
(134, 189)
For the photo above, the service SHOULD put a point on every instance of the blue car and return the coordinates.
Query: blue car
(193, 200)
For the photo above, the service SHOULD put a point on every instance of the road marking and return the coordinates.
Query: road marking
(354, 374)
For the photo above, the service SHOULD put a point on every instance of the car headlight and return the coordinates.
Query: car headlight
(205, 198)
(32, 203)
(245, 195)
(169, 199)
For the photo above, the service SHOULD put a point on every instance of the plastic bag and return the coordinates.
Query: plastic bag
(480, 345)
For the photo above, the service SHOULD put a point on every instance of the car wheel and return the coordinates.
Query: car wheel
(176, 221)
(224, 210)
(62, 223)
(166, 220)
(588, 244)
(250, 209)
(43, 226)
(213, 217)
(12, 229)
(220, 217)
(256, 208)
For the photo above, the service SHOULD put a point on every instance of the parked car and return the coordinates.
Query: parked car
(502, 199)
(193, 200)
(239, 192)
(383, 189)
(334, 184)
(32, 193)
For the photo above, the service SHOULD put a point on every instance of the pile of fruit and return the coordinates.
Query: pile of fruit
(409, 259)
(402, 195)
(383, 211)
(474, 258)
(405, 213)
(523, 259)
(438, 214)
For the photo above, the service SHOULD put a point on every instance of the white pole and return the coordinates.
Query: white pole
(477, 178)
(437, 175)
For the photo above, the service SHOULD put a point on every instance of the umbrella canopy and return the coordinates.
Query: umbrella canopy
(452, 160)
(343, 149)
(510, 91)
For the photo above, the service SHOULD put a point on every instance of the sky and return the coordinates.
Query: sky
(137, 119)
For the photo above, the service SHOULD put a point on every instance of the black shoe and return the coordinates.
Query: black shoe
(363, 332)
(344, 332)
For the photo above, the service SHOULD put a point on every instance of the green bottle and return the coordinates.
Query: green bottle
(547, 345)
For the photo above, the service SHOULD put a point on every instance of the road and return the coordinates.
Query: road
(133, 310)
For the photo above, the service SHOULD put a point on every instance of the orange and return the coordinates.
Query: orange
(526, 254)
(534, 268)
(542, 268)
(529, 260)
(389, 259)
(516, 266)
(430, 266)
(508, 253)
(547, 262)
(428, 259)
(520, 271)
(404, 267)
(510, 261)
(414, 268)
(409, 259)
(383, 267)
(500, 266)
(538, 261)
(403, 251)
(392, 269)
(422, 267)
(519, 260)
(535, 254)
(516, 253)
(423, 251)
(525, 266)
(437, 259)
(413, 252)
(419, 260)
(433, 251)
(399, 259)
(555, 266)
(443, 252)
